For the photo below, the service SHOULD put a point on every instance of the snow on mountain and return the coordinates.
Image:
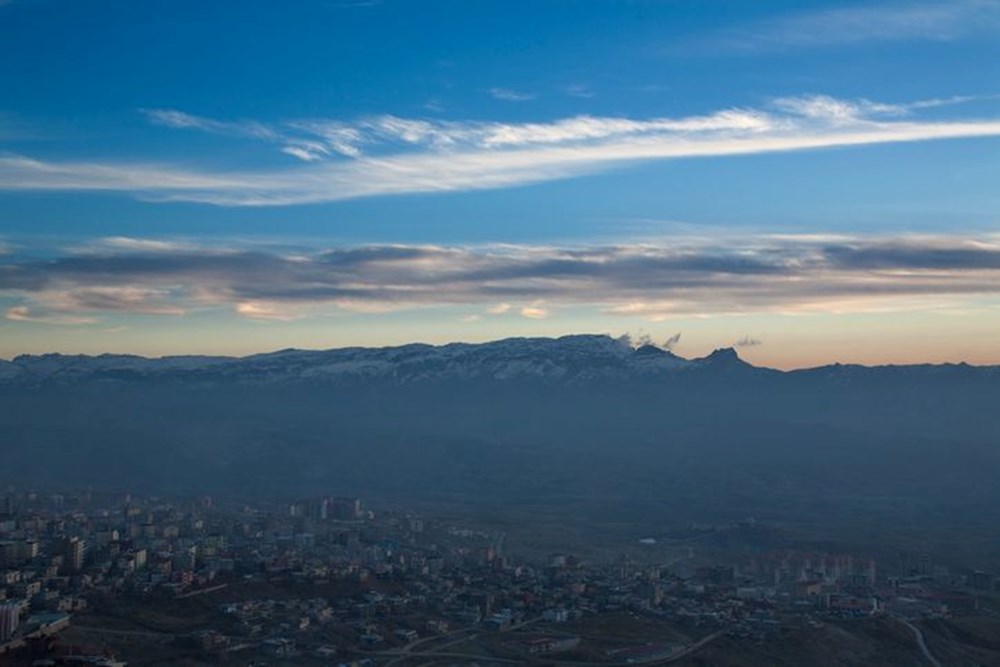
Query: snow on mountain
(575, 358)
(570, 357)
(80, 366)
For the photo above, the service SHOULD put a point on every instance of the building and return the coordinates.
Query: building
(318, 509)
(16, 552)
(980, 580)
(10, 619)
(9, 507)
(75, 552)
(344, 509)
(917, 565)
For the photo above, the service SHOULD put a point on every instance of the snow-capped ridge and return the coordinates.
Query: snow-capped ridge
(567, 359)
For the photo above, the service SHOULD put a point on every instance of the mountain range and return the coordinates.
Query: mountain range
(569, 359)
(585, 420)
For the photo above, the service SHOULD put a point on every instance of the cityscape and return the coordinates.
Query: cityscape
(108, 578)
(484, 333)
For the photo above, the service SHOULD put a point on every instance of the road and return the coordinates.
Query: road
(408, 651)
(690, 649)
(680, 655)
(918, 634)
(439, 652)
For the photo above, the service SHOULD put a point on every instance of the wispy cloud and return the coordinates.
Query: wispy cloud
(387, 155)
(830, 109)
(535, 311)
(682, 276)
(26, 314)
(499, 309)
(932, 21)
(263, 310)
(182, 120)
(509, 95)
(108, 298)
(323, 138)
(131, 244)
(433, 105)
(579, 90)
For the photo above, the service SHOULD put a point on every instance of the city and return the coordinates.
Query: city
(114, 578)
(483, 333)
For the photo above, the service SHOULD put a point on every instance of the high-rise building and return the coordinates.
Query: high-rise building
(16, 552)
(318, 509)
(8, 553)
(348, 509)
(917, 564)
(980, 580)
(10, 619)
(9, 507)
(75, 552)
(186, 559)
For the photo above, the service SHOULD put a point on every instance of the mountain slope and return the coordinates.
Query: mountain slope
(634, 432)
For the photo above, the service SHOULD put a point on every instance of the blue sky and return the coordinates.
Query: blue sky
(817, 181)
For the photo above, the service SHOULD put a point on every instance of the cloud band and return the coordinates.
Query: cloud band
(677, 277)
(387, 155)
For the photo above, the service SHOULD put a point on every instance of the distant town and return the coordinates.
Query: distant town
(114, 578)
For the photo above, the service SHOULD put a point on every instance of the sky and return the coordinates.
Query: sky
(809, 182)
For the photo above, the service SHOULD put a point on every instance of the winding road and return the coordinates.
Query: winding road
(918, 634)
(407, 652)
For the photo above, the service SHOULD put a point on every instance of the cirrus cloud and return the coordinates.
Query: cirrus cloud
(941, 21)
(389, 155)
